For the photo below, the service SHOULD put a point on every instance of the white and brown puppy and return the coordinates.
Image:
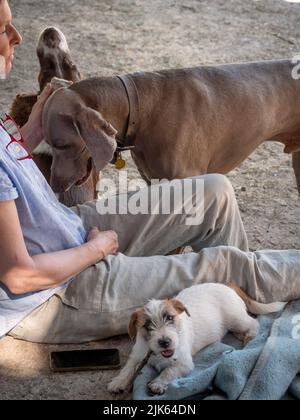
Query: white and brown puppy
(175, 330)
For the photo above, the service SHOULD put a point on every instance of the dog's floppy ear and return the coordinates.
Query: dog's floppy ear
(136, 318)
(292, 147)
(179, 306)
(98, 135)
(22, 107)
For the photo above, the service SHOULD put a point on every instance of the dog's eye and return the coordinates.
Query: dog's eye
(170, 318)
(148, 326)
(61, 147)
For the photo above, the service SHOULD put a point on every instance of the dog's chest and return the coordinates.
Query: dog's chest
(160, 364)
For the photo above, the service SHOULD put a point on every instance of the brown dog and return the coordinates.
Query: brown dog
(55, 61)
(181, 122)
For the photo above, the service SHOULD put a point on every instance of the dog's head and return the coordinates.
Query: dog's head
(55, 58)
(159, 323)
(79, 137)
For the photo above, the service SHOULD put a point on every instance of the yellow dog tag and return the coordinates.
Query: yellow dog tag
(120, 162)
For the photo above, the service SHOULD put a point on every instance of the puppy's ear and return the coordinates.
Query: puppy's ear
(98, 135)
(135, 320)
(179, 306)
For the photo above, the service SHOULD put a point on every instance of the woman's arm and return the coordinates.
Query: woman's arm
(23, 274)
(32, 131)
(63, 265)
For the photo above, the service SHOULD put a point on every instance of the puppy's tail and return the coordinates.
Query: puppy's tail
(257, 308)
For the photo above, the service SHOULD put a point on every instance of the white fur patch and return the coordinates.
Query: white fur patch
(154, 309)
(43, 149)
(63, 44)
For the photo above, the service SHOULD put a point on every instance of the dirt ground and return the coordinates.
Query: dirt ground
(118, 36)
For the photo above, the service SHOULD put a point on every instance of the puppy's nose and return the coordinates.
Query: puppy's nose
(164, 343)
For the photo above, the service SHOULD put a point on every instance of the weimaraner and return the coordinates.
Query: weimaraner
(181, 122)
(55, 61)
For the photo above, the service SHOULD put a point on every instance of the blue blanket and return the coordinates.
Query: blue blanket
(266, 369)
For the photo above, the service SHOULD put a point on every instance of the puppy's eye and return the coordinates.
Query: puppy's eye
(148, 326)
(170, 318)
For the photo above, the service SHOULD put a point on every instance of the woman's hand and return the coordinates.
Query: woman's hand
(32, 131)
(106, 243)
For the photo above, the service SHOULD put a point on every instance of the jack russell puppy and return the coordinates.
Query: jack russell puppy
(173, 331)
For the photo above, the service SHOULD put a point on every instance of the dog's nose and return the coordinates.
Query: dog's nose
(164, 343)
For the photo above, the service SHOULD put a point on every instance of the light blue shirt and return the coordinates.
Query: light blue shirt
(47, 225)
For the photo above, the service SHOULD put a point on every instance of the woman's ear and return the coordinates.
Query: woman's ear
(98, 135)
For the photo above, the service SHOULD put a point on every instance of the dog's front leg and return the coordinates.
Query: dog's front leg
(177, 370)
(125, 379)
(296, 166)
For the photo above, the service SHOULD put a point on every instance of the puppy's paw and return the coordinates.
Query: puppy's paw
(117, 386)
(157, 388)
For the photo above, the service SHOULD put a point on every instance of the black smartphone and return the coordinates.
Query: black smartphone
(79, 360)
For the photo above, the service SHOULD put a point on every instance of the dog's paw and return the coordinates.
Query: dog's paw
(157, 387)
(116, 386)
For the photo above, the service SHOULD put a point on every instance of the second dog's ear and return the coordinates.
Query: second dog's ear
(22, 107)
(179, 306)
(292, 147)
(134, 323)
(98, 135)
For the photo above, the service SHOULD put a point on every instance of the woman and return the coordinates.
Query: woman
(62, 280)
(20, 272)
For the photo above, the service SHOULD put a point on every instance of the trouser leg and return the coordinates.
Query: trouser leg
(159, 234)
(99, 303)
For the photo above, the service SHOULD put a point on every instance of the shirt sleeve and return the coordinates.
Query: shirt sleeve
(7, 189)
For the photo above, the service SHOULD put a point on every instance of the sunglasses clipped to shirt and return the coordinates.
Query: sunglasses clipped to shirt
(16, 145)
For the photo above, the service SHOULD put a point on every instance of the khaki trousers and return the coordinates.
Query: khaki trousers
(98, 303)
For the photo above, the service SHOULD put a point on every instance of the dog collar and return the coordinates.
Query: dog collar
(127, 143)
(134, 110)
